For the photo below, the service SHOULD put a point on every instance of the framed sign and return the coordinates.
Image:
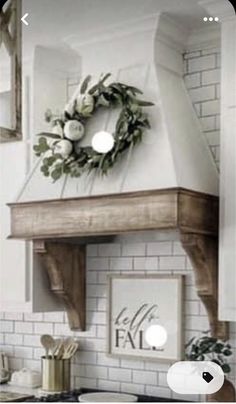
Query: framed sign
(137, 301)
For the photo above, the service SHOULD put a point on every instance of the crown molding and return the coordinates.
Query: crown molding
(161, 25)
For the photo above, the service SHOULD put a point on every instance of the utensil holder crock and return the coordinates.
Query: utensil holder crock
(55, 374)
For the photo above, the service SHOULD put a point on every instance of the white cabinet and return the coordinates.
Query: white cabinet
(23, 284)
(227, 258)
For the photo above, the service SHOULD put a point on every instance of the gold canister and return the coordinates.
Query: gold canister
(55, 374)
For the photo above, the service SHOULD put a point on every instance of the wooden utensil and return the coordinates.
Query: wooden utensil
(70, 350)
(48, 343)
(59, 351)
(56, 347)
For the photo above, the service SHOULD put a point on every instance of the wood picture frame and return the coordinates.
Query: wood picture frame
(12, 39)
(133, 305)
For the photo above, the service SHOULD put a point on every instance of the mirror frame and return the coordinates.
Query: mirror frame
(14, 47)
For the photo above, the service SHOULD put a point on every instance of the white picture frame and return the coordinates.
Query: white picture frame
(137, 301)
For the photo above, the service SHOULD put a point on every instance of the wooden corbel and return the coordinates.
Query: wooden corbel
(203, 253)
(65, 264)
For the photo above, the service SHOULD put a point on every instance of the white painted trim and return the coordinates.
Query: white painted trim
(165, 27)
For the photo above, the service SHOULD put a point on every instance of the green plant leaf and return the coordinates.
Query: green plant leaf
(143, 103)
(85, 83)
(57, 173)
(49, 134)
(227, 352)
(135, 90)
(226, 368)
(218, 348)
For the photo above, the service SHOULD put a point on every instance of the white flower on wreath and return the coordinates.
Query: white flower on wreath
(85, 104)
(63, 147)
(74, 130)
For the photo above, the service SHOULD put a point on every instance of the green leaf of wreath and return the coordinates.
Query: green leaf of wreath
(76, 159)
(49, 134)
(142, 103)
(85, 83)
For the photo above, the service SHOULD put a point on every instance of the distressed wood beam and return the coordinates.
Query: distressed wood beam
(203, 253)
(65, 266)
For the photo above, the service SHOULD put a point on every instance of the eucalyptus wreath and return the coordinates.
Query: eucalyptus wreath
(61, 150)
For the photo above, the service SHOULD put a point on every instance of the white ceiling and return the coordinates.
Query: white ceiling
(51, 21)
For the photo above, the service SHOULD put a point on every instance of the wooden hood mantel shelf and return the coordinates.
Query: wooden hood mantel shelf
(55, 226)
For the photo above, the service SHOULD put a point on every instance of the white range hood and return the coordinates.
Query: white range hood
(147, 53)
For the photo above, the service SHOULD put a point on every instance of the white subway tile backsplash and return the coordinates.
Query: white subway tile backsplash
(134, 249)
(202, 93)
(194, 54)
(159, 248)
(89, 333)
(172, 263)
(33, 317)
(145, 377)
(23, 327)
(96, 291)
(101, 304)
(98, 317)
(192, 80)
(32, 364)
(92, 250)
(91, 303)
(85, 382)
(105, 360)
(13, 316)
(213, 138)
(132, 388)
(102, 277)
(145, 263)
(101, 331)
(43, 328)
(6, 326)
(122, 375)
(210, 108)
(164, 392)
(211, 76)
(15, 363)
(57, 317)
(96, 264)
(208, 123)
(121, 264)
(86, 358)
(32, 340)
(38, 353)
(132, 364)
(108, 385)
(109, 250)
(8, 349)
(162, 379)
(23, 352)
(96, 371)
(91, 277)
(197, 323)
(13, 339)
(201, 63)
(192, 308)
(178, 249)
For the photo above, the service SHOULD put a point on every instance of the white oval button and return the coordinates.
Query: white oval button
(195, 377)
